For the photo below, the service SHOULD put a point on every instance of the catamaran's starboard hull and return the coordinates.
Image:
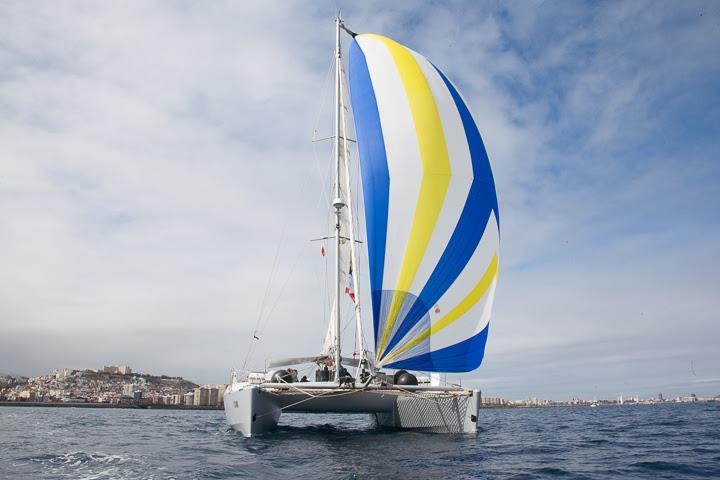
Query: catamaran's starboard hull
(251, 409)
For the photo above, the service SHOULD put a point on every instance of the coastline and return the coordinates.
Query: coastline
(108, 405)
(220, 407)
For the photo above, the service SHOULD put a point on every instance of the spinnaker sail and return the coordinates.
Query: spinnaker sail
(431, 210)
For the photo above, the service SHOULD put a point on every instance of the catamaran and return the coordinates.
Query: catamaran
(432, 239)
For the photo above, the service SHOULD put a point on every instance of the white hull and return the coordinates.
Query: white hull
(253, 409)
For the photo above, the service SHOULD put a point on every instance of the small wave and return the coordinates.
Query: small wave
(675, 468)
(554, 472)
(80, 458)
(668, 423)
(90, 465)
(597, 441)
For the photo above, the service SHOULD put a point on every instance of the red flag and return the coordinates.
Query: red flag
(322, 250)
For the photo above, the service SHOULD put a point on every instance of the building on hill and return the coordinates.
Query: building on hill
(128, 389)
(118, 370)
(27, 395)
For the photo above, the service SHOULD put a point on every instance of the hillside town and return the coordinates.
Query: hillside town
(114, 385)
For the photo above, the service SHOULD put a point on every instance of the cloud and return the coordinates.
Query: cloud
(154, 155)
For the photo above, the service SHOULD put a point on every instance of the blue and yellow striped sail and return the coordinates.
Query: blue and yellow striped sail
(430, 210)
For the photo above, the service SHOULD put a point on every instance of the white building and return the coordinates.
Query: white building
(118, 369)
(128, 389)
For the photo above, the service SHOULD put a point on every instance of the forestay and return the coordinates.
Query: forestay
(430, 210)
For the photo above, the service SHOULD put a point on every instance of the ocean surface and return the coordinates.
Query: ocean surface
(646, 441)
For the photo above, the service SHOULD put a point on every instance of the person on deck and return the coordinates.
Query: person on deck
(345, 377)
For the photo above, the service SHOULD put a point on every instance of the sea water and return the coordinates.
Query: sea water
(645, 441)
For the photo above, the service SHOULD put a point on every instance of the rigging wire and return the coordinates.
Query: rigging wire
(302, 251)
(263, 303)
(323, 97)
(324, 191)
(267, 305)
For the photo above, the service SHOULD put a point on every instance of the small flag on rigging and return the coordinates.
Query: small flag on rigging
(350, 284)
(322, 250)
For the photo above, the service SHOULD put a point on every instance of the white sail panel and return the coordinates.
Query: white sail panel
(474, 321)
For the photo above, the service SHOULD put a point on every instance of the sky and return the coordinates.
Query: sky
(159, 186)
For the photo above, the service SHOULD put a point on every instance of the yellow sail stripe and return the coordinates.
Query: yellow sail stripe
(466, 304)
(435, 167)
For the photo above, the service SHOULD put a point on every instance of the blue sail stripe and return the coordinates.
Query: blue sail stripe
(481, 201)
(374, 169)
(464, 356)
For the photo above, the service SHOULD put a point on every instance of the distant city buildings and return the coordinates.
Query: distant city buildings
(492, 401)
(200, 398)
(116, 384)
(576, 401)
(118, 370)
(208, 395)
(128, 390)
(27, 395)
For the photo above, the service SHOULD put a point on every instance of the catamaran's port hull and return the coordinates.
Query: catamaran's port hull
(253, 409)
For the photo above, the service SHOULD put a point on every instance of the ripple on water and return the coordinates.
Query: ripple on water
(668, 441)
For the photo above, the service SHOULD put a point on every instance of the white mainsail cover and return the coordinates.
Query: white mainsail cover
(346, 237)
(431, 210)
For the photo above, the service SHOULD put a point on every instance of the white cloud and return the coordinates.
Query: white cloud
(151, 154)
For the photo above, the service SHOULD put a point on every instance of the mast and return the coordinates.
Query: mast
(338, 203)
